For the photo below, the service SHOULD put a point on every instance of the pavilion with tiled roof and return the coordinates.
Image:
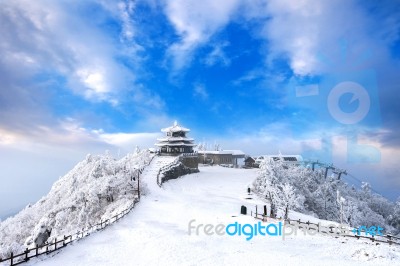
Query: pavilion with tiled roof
(175, 140)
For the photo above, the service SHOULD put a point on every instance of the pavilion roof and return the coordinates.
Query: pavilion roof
(175, 128)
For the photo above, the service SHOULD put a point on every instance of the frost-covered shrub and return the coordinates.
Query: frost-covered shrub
(95, 189)
(306, 190)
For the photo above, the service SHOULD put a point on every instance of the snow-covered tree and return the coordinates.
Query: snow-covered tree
(394, 218)
(271, 185)
(217, 147)
(289, 199)
(325, 198)
(330, 198)
(137, 149)
(341, 201)
(96, 189)
(201, 147)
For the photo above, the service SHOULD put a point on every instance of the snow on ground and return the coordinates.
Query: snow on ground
(149, 175)
(156, 231)
(97, 188)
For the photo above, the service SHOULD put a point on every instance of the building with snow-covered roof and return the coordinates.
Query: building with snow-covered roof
(234, 157)
(286, 159)
(175, 140)
(249, 161)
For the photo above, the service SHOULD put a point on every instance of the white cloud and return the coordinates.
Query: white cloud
(249, 76)
(279, 137)
(310, 34)
(297, 30)
(32, 162)
(128, 141)
(126, 10)
(6, 138)
(200, 91)
(195, 22)
(149, 99)
(52, 40)
(217, 55)
(52, 37)
(93, 80)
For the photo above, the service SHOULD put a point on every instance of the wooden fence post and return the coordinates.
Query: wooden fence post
(26, 254)
(64, 239)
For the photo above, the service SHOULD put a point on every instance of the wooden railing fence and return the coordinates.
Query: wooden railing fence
(59, 243)
(387, 239)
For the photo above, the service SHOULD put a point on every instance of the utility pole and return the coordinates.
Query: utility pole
(327, 169)
(341, 172)
(313, 165)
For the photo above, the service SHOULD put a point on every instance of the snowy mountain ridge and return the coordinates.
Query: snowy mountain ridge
(308, 191)
(96, 189)
(100, 186)
(156, 231)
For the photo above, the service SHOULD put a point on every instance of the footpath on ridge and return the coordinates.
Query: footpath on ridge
(156, 231)
(149, 175)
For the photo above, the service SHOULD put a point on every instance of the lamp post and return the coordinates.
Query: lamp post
(138, 183)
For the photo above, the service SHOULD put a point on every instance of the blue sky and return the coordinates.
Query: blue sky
(261, 76)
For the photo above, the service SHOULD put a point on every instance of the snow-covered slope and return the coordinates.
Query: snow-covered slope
(149, 175)
(331, 198)
(96, 189)
(156, 231)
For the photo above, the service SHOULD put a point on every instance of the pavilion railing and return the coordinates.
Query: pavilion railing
(166, 168)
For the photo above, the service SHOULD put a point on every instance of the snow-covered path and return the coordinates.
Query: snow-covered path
(149, 175)
(156, 232)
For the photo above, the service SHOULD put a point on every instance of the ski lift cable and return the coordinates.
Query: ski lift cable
(355, 178)
(331, 166)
